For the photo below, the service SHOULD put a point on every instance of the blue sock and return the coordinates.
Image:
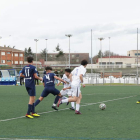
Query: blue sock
(37, 102)
(29, 109)
(56, 99)
(33, 108)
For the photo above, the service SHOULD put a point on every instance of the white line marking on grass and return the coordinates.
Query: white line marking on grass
(38, 113)
(86, 104)
(109, 100)
(12, 119)
(20, 139)
(88, 94)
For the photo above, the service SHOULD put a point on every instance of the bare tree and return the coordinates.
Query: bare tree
(106, 53)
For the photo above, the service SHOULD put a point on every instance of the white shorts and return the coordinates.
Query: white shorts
(76, 91)
(66, 92)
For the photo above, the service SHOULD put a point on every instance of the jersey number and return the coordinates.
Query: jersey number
(27, 74)
(48, 77)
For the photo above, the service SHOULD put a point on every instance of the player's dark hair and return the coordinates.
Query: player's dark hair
(30, 59)
(68, 70)
(84, 62)
(48, 68)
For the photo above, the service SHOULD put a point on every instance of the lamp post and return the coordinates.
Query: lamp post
(91, 53)
(137, 58)
(0, 53)
(36, 50)
(91, 60)
(101, 48)
(109, 51)
(69, 35)
(46, 51)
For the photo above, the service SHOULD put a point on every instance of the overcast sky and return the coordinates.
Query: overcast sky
(21, 21)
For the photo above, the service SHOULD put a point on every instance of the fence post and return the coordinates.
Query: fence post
(103, 75)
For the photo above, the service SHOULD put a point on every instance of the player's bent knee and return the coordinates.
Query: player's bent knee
(59, 95)
(41, 98)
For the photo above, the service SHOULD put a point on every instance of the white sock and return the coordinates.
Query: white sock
(72, 104)
(54, 104)
(77, 107)
(65, 100)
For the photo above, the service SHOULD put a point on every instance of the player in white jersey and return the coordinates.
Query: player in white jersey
(67, 87)
(77, 78)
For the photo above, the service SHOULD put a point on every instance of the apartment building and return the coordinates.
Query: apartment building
(11, 56)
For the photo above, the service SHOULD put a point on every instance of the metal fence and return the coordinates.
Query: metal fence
(114, 75)
(111, 80)
(111, 76)
(107, 75)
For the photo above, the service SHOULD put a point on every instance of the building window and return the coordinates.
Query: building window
(110, 63)
(77, 55)
(20, 62)
(73, 55)
(119, 63)
(8, 52)
(102, 63)
(136, 54)
(16, 54)
(8, 60)
(2, 53)
(3, 61)
(73, 60)
(21, 55)
(77, 60)
(16, 62)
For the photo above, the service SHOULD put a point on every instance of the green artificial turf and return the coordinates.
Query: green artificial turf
(119, 121)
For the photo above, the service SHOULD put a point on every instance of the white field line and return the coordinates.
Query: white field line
(110, 100)
(88, 94)
(38, 113)
(96, 93)
(20, 139)
(86, 104)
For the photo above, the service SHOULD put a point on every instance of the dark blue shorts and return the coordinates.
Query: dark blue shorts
(48, 90)
(31, 91)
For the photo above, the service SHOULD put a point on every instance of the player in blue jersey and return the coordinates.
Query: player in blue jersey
(49, 87)
(29, 72)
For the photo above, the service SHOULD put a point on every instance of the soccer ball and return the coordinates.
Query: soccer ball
(102, 106)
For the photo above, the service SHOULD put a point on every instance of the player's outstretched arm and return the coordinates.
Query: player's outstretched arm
(39, 78)
(21, 75)
(59, 83)
(60, 79)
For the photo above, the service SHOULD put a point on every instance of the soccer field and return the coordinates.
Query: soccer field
(119, 121)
